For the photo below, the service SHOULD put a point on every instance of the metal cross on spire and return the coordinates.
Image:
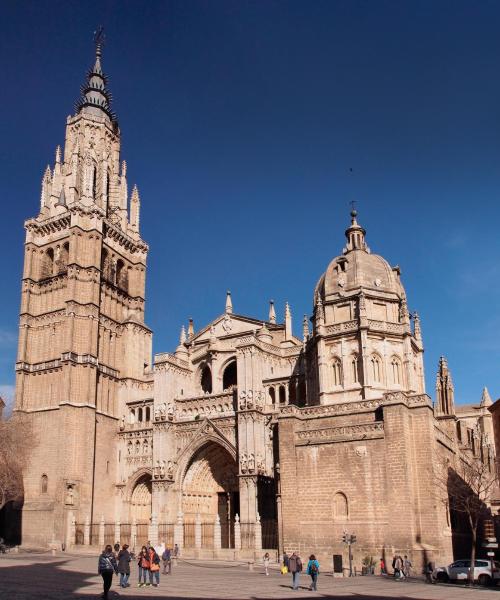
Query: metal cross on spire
(99, 38)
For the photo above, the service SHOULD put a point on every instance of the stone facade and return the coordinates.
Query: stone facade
(244, 437)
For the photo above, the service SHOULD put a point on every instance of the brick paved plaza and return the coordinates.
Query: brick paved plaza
(43, 576)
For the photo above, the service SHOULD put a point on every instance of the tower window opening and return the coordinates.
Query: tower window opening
(376, 369)
(282, 394)
(44, 484)
(148, 414)
(206, 380)
(354, 369)
(396, 370)
(140, 415)
(230, 376)
(272, 395)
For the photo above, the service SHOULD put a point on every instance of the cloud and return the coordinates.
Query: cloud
(7, 393)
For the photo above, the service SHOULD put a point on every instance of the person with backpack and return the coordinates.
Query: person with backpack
(144, 564)
(313, 571)
(295, 567)
(106, 566)
(154, 568)
(124, 559)
(167, 561)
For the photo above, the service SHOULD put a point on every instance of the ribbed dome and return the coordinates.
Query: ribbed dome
(358, 268)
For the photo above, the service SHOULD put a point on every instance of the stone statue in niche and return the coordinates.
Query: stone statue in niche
(244, 463)
(122, 423)
(170, 470)
(156, 470)
(171, 411)
(251, 463)
(70, 495)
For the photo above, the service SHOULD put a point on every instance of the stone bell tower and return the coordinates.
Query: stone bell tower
(84, 349)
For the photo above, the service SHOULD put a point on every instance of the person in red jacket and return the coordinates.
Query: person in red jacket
(144, 564)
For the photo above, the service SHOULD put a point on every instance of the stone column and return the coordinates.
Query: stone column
(237, 533)
(197, 532)
(153, 531)
(117, 531)
(71, 541)
(133, 534)
(179, 531)
(86, 532)
(217, 534)
(258, 534)
(101, 532)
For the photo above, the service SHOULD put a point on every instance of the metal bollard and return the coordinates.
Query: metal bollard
(250, 565)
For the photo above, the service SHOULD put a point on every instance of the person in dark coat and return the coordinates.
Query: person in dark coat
(106, 567)
(124, 559)
(295, 567)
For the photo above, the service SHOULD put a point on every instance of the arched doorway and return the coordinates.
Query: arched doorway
(210, 488)
(140, 501)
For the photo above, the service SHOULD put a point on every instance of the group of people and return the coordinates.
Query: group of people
(402, 567)
(117, 561)
(293, 564)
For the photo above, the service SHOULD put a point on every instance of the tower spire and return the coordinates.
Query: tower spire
(444, 389)
(229, 303)
(95, 97)
(272, 312)
(288, 322)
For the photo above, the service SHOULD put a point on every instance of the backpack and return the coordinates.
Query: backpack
(314, 567)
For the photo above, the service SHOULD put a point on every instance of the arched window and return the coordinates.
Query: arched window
(396, 370)
(206, 380)
(106, 265)
(230, 376)
(132, 416)
(337, 372)
(139, 415)
(44, 484)
(145, 447)
(129, 448)
(48, 263)
(272, 395)
(340, 506)
(148, 414)
(94, 182)
(376, 368)
(354, 369)
(282, 394)
(108, 179)
(121, 275)
(292, 391)
(137, 447)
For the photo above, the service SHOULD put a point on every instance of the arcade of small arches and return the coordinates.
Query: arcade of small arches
(114, 270)
(54, 260)
(375, 371)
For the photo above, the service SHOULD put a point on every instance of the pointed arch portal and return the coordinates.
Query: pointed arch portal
(210, 488)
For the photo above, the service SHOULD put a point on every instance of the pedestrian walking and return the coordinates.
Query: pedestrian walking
(383, 569)
(106, 566)
(285, 560)
(116, 549)
(398, 568)
(313, 571)
(144, 564)
(295, 567)
(176, 552)
(428, 571)
(166, 558)
(124, 559)
(154, 568)
(407, 566)
(266, 562)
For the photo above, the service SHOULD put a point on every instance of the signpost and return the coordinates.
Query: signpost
(349, 539)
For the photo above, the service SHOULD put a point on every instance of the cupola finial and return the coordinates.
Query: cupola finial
(355, 234)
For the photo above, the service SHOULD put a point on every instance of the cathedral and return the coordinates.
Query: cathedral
(245, 437)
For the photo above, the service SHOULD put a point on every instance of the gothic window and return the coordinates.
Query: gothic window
(230, 376)
(206, 380)
(148, 414)
(459, 432)
(396, 370)
(337, 372)
(272, 395)
(132, 416)
(137, 447)
(354, 369)
(282, 394)
(94, 182)
(108, 178)
(48, 263)
(106, 265)
(340, 506)
(376, 368)
(121, 275)
(44, 484)
(145, 447)
(139, 416)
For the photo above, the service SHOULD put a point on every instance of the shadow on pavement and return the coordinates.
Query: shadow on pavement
(55, 581)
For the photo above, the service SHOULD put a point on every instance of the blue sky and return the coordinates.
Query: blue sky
(241, 122)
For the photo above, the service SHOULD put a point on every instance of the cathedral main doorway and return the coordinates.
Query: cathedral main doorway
(140, 501)
(210, 488)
